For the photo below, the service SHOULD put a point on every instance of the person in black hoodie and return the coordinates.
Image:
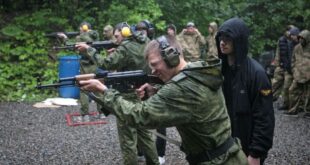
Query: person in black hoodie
(247, 91)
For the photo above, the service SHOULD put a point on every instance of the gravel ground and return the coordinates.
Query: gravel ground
(31, 135)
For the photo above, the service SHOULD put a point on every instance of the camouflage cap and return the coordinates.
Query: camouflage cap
(190, 24)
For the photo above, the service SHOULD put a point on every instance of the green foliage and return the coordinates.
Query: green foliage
(24, 51)
(132, 12)
(266, 20)
(24, 58)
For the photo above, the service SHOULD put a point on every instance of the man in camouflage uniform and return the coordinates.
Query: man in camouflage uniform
(87, 65)
(299, 92)
(211, 44)
(171, 30)
(108, 33)
(191, 41)
(284, 72)
(127, 56)
(191, 100)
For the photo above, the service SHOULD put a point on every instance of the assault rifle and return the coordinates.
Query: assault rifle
(55, 34)
(122, 81)
(99, 45)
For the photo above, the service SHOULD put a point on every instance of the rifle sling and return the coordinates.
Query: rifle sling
(106, 113)
(175, 142)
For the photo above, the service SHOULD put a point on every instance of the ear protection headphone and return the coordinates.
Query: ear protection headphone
(151, 29)
(148, 26)
(169, 54)
(124, 28)
(85, 26)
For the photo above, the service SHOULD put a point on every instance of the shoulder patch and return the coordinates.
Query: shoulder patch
(265, 92)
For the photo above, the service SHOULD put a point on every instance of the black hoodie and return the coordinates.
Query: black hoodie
(247, 92)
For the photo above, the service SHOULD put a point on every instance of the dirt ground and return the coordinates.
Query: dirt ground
(31, 135)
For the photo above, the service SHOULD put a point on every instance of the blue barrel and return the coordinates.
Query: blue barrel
(69, 66)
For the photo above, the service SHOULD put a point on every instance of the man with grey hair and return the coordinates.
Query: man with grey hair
(191, 100)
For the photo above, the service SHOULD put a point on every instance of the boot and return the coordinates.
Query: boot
(307, 115)
(283, 107)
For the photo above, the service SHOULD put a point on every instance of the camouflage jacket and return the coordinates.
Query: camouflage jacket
(89, 36)
(191, 45)
(127, 56)
(301, 59)
(211, 45)
(192, 101)
(87, 64)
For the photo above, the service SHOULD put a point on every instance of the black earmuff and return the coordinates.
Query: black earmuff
(169, 54)
(150, 28)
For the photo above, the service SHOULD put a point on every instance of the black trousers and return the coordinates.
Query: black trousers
(161, 143)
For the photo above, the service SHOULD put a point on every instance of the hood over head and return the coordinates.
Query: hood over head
(214, 26)
(206, 72)
(236, 29)
(305, 34)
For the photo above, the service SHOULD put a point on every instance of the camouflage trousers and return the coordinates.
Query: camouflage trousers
(299, 94)
(192, 58)
(84, 99)
(281, 84)
(130, 137)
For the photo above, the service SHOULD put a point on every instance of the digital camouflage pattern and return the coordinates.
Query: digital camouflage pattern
(301, 59)
(191, 45)
(129, 56)
(193, 102)
(86, 66)
(211, 43)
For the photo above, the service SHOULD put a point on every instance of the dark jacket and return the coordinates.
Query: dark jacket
(284, 45)
(247, 92)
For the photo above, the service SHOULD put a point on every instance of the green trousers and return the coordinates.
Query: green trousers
(299, 94)
(280, 85)
(84, 99)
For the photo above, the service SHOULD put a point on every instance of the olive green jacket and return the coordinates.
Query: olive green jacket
(127, 56)
(87, 65)
(192, 101)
